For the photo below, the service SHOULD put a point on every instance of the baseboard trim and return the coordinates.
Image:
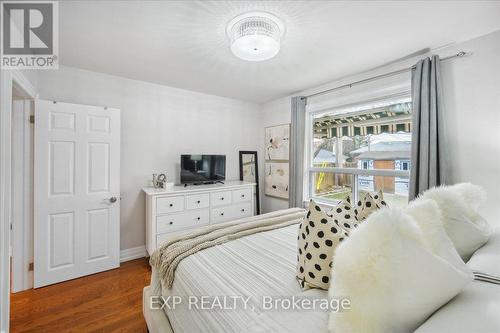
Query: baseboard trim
(133, 253)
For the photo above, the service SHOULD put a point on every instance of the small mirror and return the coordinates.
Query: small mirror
(249, 172)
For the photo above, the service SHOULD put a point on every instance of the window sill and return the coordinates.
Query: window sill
(322, 203)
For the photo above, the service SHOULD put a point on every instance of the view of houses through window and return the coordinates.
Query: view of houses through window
(363, 149)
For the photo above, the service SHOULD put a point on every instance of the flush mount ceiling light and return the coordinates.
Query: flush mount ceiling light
(255, 36)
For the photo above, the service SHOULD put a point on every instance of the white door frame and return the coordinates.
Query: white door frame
(22, 195)
(8, 78)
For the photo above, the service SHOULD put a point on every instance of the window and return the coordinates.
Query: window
(324, 182)
(400, 127)
(372, 154)
(403, 165)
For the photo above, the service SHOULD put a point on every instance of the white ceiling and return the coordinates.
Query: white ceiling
(183, 43)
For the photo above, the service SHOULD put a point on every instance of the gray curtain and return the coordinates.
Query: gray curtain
(297, 137)
(427, 150)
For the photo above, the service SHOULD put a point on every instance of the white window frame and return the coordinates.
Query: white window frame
(310, 169)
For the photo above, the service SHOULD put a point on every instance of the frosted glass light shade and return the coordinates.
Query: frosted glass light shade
(255, 36)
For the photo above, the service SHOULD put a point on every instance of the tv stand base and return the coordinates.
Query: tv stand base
(205, 183)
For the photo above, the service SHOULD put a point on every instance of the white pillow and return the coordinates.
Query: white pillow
(428, 216)
(459, 205)
(394, 273)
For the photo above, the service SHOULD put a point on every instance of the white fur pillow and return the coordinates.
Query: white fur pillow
(395, 272)
(428, 216)
(459, 205)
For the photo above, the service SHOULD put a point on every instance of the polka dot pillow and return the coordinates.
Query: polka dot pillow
(344, 215)
(368, 204)
(319, 235)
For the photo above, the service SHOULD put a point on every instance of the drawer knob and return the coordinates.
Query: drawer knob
(171, 205)
(243, 209)
(198, 218)
(242, 195)
(222, 198)
(198, 201)
(221, 214)
(171, 223)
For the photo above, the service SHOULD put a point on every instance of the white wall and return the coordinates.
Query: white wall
(472, 98)
(276, 112)
(158, 124)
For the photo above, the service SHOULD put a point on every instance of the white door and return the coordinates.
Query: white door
(76, 191)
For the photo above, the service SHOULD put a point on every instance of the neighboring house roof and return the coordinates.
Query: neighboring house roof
(326, 156)
(384, 155)
(385, 147)
(391, 137)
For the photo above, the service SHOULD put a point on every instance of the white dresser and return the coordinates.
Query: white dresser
(178, 208)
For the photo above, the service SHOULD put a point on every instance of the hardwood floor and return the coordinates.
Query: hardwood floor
(105, 302)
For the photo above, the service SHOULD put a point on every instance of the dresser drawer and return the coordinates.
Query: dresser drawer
(160, 239)
(169, 205)
(220, 198)
(242, 195)
(196, 201)
(173, 222)
(222, 214)
(242, 210)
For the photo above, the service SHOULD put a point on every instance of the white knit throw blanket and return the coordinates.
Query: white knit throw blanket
(166, 258)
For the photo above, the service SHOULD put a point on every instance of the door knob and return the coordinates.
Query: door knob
(112, 199)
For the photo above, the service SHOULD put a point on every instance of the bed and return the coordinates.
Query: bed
(263, 264)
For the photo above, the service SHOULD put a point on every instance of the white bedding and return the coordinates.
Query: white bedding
(258, 265)
(487, 258)
(264, 264)
(477, 307)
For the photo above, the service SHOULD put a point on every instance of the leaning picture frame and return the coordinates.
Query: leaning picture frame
(249, 171)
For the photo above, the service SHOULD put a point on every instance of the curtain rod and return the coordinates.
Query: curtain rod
(373, 78)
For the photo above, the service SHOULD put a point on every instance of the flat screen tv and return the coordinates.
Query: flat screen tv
(201, 169)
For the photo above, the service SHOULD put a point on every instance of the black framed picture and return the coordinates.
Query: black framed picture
(249, 171)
